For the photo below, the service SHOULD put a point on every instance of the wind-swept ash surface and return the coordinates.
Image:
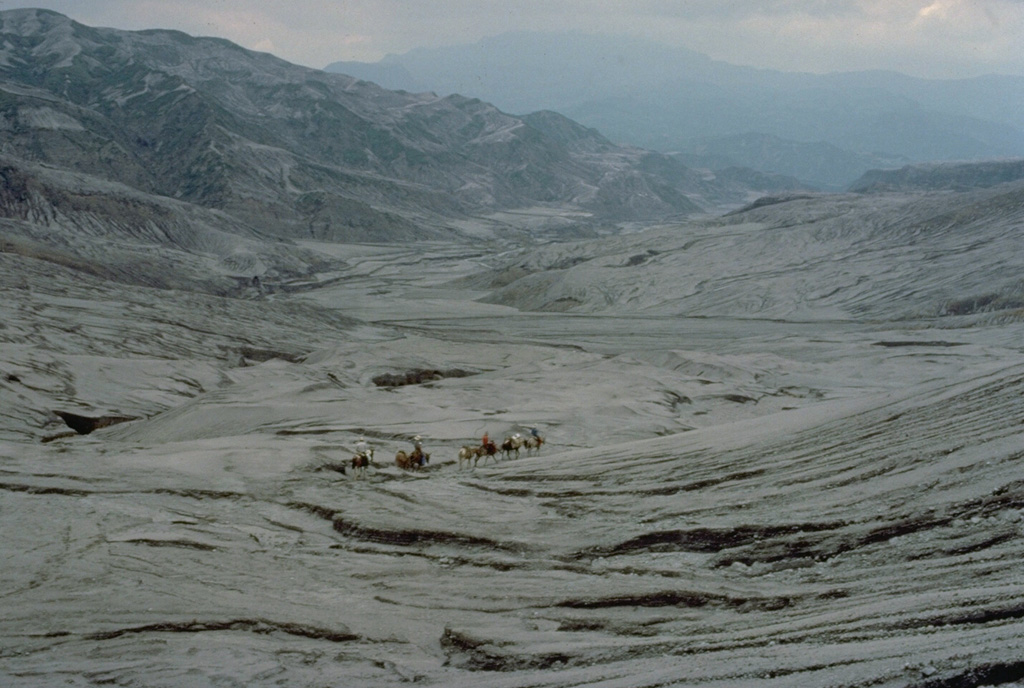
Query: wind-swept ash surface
(784, 448)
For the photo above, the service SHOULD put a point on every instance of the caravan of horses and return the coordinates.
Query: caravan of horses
(469, 455)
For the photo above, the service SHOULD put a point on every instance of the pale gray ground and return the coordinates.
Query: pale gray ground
(803, 487)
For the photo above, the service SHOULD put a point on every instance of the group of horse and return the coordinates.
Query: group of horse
(471, 455)
(412, 461)
(468, 454)
(407, 461)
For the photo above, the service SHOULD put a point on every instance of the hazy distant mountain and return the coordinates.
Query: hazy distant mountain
(672, 99)
(820, 164)
(391, 76)
(298, 152)
(526, 71)
(941, 177)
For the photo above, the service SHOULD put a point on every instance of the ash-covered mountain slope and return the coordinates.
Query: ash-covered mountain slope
(299, 152)
(941, 177)
(113, 231)
(849, 257)
(820, 164)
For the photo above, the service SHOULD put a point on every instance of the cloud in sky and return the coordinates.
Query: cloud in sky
(935, 38)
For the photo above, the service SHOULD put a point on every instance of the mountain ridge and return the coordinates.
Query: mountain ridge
(947, 176)
(671, 99)
(298, 152)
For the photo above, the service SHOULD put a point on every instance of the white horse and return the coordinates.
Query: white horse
(468, 454)
(512, 444)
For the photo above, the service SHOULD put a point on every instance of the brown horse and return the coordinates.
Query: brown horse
(488, 451)
(360, 462)
(411, 461)
(469, 453)
(533, 443)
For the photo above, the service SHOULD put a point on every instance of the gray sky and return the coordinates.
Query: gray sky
(931, 38)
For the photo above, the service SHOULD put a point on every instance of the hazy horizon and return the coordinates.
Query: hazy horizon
(928, 38)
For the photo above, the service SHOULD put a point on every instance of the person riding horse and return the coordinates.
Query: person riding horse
(489, 447)
(417, 456)
(364, 456)
(534, 441)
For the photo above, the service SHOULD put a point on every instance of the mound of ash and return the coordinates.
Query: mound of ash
(248, 354)
(418, 376)
(84, 425)
(926, 342)
(764, 201)
(986, 303)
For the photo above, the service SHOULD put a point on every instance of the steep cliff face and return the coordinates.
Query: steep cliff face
(295, 151)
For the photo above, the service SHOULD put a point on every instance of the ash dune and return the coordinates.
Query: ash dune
(783, 444)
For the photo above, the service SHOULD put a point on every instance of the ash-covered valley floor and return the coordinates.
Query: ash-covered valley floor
(784, 448)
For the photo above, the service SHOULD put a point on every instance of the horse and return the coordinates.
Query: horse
(467, 454)
(512, 444)
(413, 460)
(487, 451)
(533, 443)
(419, 458)
(360, 462)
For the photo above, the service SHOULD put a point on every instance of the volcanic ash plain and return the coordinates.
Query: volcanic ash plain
(782, 449)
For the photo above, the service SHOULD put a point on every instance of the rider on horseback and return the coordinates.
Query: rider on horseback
(488, 445)
(417, 454)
